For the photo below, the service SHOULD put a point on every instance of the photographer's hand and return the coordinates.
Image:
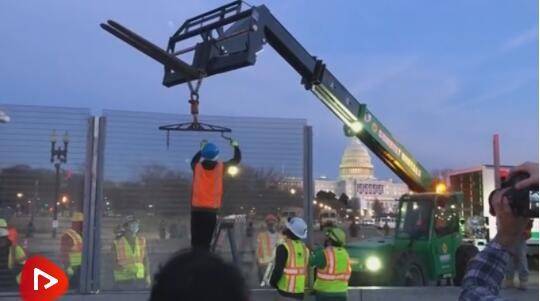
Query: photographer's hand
(509, 226)
(530, 168)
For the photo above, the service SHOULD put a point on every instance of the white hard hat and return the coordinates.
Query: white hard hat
(298, 227)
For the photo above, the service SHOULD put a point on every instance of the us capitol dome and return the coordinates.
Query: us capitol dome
(356, 162)
(357, 180)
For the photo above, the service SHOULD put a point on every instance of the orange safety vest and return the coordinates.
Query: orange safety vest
(207, 188)
(265, 249)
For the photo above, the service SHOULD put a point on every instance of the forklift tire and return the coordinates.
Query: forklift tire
(408, 270)
(464, 253)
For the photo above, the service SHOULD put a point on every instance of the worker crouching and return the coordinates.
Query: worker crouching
(333, 267)
(131, 269)
(291, 263)
(207, 191)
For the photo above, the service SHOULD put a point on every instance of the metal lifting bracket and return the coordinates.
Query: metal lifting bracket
(174, 66)
(230, 37)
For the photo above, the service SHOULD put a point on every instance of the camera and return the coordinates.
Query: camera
(523, 202)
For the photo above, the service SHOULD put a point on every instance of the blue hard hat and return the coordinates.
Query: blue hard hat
(210, 151)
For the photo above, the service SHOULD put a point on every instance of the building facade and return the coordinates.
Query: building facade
(357, 180)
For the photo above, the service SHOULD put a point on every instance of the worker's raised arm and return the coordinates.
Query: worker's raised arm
(195, 160)
(237, 154)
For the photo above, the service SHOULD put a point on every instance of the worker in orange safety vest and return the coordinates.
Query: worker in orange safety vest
(267, 241)
(207, 190)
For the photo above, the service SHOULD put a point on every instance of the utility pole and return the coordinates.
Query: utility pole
(497, 161)
(58, 156)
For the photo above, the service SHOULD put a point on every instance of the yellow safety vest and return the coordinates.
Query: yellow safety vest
(129, 260)
(75, 254)
(294, 275)
(16, 256)
(334, 278)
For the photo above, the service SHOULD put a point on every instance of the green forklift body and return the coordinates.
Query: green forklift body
(365, 253)
(428, 226)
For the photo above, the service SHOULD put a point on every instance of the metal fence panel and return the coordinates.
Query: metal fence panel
(144, 179)
(28, 181)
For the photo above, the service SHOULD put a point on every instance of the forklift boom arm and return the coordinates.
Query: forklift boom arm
(230, 38)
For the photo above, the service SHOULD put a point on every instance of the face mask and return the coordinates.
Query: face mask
(271, 227)
(3, 232)
(134, 228)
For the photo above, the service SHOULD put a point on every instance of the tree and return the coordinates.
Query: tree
(330, 199)
(260, 189)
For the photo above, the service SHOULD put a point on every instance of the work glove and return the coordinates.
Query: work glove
(234, 143)
(203, 143)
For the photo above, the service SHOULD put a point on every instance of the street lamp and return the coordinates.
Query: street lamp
(19, 195)
(58, 156)
(233, 170)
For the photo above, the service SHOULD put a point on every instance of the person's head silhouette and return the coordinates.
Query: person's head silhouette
(198, 275)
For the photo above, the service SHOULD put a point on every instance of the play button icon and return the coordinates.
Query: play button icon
(42, 280)
(37, 273)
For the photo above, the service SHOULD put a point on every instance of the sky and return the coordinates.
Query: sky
(442, 76)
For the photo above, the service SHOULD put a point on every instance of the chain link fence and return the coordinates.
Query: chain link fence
(137, 176)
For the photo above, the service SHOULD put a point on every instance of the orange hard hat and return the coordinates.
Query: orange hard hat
(13, 235)
(270, 218)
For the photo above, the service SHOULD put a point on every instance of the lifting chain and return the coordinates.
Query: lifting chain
(194, 99)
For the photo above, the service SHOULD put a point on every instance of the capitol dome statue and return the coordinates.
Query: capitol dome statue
(356, 162)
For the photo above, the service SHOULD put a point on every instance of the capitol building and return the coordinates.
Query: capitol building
(358, 182)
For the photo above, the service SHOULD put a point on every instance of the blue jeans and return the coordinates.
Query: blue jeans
(518, 263)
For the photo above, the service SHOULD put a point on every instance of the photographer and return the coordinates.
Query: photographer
(518, 261)
(486, 271)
